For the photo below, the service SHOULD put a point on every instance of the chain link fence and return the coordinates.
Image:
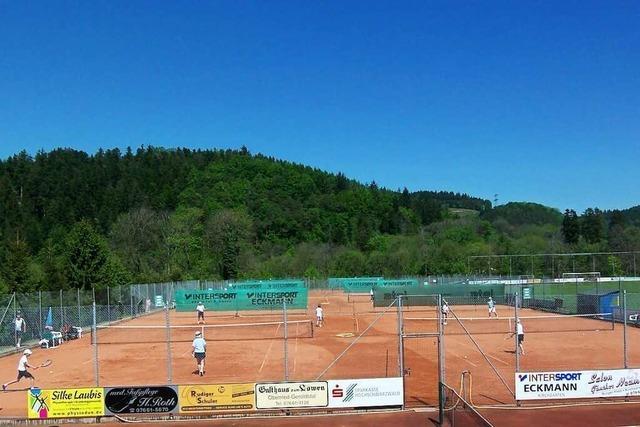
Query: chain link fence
(58, 310)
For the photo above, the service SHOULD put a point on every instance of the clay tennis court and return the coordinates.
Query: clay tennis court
(135, 351)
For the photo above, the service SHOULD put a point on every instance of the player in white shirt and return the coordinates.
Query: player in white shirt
(520, 333)
(319, 316)
(372, 295)
(23, 364)
(20, 326)
(445, 312)
(492, 307)
(199, 350)
(200, 312)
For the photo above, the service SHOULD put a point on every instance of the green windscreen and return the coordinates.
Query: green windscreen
(244, 296)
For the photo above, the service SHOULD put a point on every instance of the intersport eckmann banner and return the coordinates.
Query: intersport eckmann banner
(577, 384)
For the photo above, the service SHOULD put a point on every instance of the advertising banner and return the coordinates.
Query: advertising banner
(360, 285)
(401, 283)
(292, 395)
(65, 403)
(233, 299)
(198, 399)
(140, 400)
(268, 284)
(577, 384)
(370, 392)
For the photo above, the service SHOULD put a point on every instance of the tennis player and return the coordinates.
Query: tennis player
(198, 350)
(200, 311)
(23, 364)
(319, 316)
(20, 326)
(492, 307)
(445, 312)
(372, 295)
(520, 332)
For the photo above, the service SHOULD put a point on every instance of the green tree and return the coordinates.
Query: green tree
(139, 239)
(592, 227)
(184, 240)
(86, 257)
(570, 227)
(227, 233)
(15, 266)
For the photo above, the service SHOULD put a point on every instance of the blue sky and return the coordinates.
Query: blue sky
(534, 101)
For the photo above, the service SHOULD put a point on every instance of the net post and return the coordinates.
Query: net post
(286, 361)
(94, 335)
(168, 329)
(515, 307)
(624, 327)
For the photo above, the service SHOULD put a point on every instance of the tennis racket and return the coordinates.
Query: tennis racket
(45, 363)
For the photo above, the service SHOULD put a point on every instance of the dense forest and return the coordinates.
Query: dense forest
(70, 219)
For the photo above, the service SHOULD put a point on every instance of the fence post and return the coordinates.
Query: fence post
(94, 328)
(168, 328)
(286, 360)
(624, 327)
(61, 312)
(15, 312)
(515, 307)
(441, 379)
(40, 309)
(108, 307)
(401, 342)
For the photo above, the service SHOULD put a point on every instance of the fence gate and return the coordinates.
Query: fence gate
(420, 351)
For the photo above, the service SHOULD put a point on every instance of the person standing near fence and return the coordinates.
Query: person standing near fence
(200, 312)
(20, 327)
(492, 307)
(199, 350)
(372, 295)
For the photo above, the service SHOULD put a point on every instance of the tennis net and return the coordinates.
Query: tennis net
(135, 334)
(505, 325)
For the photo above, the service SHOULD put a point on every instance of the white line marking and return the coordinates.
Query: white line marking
(266, 354)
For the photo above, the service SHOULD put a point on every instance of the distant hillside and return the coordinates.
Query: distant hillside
(285, 201)
(522, 213)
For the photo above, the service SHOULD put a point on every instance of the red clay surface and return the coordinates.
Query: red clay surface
(573, 344)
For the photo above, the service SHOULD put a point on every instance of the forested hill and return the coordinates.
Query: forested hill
(69, 219)
(286, 202)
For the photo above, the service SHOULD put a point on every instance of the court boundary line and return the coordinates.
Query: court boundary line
(266, 354)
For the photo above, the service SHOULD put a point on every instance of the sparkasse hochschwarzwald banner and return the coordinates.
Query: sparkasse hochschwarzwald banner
(369, 392)
(577, 384)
